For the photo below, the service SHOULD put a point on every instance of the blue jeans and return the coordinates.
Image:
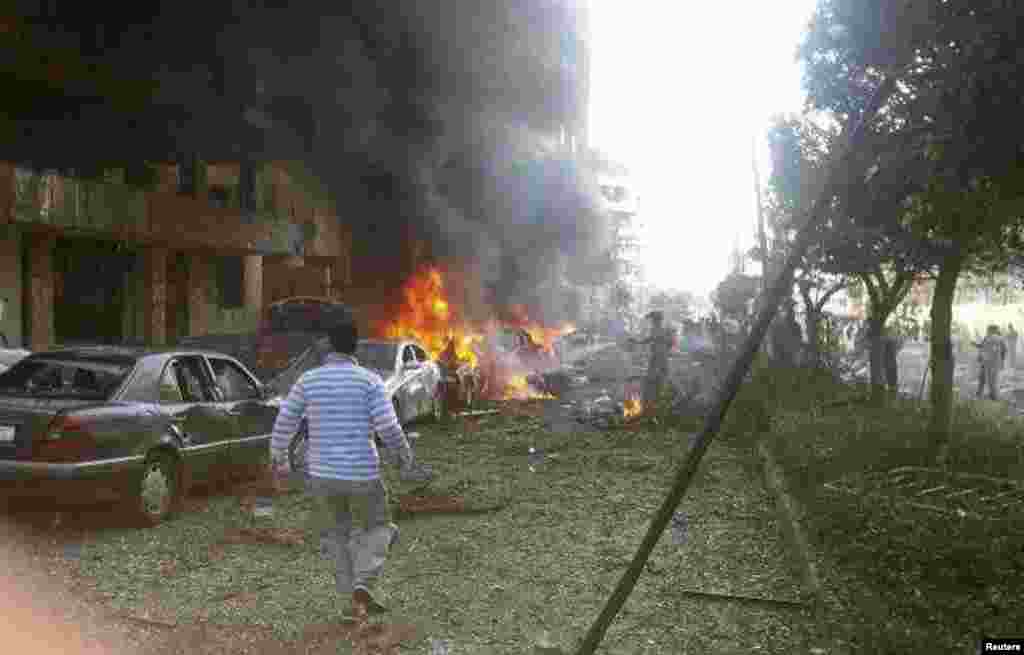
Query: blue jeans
(356, 521)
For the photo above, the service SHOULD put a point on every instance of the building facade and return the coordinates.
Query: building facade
(105, 261)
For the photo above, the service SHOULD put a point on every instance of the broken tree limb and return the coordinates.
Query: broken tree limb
(740, 368)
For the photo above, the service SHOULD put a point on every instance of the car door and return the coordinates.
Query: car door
(253, 416)
(204, 426)
(410, 396)
(430, 377)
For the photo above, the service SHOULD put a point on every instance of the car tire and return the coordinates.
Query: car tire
(157, 494)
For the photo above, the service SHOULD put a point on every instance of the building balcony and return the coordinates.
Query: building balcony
(46, 202)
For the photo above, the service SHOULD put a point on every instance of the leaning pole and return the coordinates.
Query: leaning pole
(727, 393)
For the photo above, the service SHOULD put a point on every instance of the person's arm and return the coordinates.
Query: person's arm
(385, 423)
(287, 423)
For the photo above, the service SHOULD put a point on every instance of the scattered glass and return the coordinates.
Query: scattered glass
(263, 507)
(680, 528)
(73, 550)
(534, 458)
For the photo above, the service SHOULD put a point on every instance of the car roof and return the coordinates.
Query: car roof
(120, 354)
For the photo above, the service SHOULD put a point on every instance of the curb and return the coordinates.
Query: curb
(790, 513)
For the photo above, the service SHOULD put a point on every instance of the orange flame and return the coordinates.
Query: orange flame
(428, 316)
(518, 387)
(632, 407)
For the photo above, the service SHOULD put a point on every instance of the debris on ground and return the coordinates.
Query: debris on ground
(272, 536)
(479, 412)
(431, 504)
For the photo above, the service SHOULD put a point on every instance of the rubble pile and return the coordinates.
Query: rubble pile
(601, 412)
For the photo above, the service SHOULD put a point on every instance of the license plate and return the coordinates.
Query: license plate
(6, 433)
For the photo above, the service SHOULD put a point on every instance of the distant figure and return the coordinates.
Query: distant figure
(660, 340)
(1011, 344)
(991, 357)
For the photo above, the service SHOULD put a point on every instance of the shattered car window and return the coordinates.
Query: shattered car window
(65, 378)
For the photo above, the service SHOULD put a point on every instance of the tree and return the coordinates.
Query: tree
(734, 297)
(843, 249)
(954, 117)
(679, 306)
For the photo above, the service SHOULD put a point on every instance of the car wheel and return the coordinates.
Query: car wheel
(158, 493)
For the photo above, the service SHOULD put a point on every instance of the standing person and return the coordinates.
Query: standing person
(1011, 344)
(660, 341)
(344, 404)
(991, 357)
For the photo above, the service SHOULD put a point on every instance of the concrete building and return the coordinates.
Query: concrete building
(103, 261)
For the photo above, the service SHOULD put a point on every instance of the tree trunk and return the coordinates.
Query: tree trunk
(943, 363)
(813, 325)
(876, 354)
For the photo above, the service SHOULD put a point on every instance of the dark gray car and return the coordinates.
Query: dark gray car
(85, 424)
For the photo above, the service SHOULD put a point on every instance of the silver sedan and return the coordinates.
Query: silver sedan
(411, 379)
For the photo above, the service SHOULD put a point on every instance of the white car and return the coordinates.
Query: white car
(411, 379)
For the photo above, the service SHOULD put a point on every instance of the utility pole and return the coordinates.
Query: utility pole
(760, 216)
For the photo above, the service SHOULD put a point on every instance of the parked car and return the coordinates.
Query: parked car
(11, 356)
(411, 379)
(413, 382)
(139, 425)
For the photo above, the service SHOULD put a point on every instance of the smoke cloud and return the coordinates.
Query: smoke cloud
(432, 123)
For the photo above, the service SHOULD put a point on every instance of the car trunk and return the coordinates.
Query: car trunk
(28, 418)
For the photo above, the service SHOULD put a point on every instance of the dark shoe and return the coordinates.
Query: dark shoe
(363, 604)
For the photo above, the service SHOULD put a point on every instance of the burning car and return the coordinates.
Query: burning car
(513, 362)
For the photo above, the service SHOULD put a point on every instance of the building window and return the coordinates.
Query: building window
(230, 282)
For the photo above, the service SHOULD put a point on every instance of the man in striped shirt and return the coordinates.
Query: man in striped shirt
(344, 404)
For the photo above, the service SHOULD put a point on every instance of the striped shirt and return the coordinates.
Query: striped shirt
(344, 405)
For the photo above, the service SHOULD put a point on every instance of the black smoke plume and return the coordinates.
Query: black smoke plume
(432, 123)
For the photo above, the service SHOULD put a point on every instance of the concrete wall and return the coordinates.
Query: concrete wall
(11, 284)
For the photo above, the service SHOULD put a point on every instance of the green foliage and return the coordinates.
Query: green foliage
(733, 296)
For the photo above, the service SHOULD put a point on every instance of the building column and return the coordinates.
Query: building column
(253, 280)
(7, 192)
(154, 296)
(200, 282)
(40, 292)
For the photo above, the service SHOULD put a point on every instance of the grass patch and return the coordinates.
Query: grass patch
(543, 561)
(902, 575)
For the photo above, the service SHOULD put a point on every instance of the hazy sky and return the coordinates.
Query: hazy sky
(678, 90)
